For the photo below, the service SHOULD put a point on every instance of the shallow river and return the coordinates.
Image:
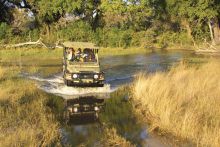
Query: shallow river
(119, 70)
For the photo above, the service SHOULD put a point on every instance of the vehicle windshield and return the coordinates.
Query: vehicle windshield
(79, 55)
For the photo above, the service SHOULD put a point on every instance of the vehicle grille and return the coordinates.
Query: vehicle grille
(86, 76)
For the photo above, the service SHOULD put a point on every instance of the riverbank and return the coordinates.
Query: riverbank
(57, 53)
(25, 118)
(45, 53)
(183, 102)
(123, 51)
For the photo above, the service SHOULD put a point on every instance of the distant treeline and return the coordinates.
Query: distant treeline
(111, 23)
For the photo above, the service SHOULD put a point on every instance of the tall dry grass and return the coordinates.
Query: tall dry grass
(25, 120)
(184, 101)
(112, 139)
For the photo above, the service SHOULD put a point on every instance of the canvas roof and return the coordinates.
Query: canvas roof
(80, 45)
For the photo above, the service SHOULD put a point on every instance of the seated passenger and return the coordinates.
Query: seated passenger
(88, 55)
(73, 54)
(69, 54)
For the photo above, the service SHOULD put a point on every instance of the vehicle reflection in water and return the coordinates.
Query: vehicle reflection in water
(83, 127)
(90, 104)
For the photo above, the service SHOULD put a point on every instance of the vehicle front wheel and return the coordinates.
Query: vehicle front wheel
(67, 82)
(101, 85)
(66, 116)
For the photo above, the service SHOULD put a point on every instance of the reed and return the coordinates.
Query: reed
(111, 138)
(184, 101)
(103, 52)
(2, 72)
(25, 119)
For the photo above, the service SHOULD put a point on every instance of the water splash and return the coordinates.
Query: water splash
(55, 85)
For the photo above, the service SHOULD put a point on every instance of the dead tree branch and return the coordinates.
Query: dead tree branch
(38, 42)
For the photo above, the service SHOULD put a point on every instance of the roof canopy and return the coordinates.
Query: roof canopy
(80, 45)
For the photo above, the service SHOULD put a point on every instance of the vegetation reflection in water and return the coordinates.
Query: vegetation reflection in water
(118, 113)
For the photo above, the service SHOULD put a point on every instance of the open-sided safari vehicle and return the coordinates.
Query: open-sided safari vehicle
(81, 65)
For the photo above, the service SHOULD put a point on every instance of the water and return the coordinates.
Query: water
(119, 70)
(122, 69)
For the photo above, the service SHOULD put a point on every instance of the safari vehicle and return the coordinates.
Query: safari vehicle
(81, 65)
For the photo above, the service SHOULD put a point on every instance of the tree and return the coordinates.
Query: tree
(5, 13)
(207, 11)
(194, 14)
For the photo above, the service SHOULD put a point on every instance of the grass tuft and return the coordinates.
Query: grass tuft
(184, 101)
(25, 119)
(111, 138)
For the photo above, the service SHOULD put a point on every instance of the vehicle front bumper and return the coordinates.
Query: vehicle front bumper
(85, 79)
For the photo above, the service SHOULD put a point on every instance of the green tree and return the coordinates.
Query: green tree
(5, 13)
(194, 14)
(3, 30)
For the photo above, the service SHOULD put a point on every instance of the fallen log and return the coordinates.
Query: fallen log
(207, 48)
(38, 42)
(207, 51)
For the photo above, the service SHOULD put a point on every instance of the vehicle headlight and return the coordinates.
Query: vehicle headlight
(96, 108)
(96, 76)
(75, 76)
(75, 109)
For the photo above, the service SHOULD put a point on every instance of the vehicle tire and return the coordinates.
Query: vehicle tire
(101, 85)
(96, 115)
(66, 116)
(68, 83)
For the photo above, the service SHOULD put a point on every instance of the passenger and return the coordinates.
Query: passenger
(86, 55)
(73, 54)
(69, 54)
(91, 56)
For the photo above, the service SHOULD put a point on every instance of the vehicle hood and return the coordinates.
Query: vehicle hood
(88, 67)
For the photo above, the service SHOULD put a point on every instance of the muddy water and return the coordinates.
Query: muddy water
(119, 70)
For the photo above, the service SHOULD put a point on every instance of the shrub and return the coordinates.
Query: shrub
(77, 31)
(4, 30)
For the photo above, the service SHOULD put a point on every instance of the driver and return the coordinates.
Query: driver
(79, 55)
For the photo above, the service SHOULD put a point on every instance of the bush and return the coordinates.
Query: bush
(143, 38)
(170, 38)
(77, 31)
(4, 30)
(115, 37)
